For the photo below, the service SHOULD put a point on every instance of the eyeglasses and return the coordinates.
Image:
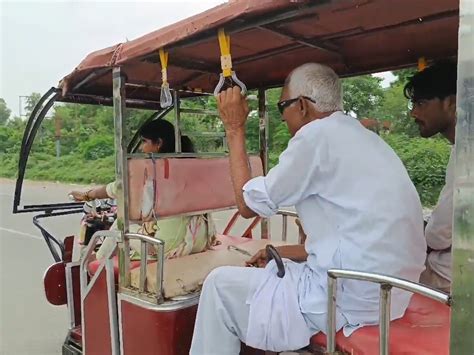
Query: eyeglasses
(282, 105)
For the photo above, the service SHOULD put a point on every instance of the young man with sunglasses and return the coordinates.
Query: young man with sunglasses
(355, 202)
(433, 96)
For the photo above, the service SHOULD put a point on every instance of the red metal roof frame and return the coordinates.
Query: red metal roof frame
(268, 39)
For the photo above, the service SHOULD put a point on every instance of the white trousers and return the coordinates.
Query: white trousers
(222, 317)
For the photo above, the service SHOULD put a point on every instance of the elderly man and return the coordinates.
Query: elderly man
(355, 202)
(433, 95)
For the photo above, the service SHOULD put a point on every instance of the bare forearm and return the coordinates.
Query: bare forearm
(293, 252)
(98, 193)
(240, 170)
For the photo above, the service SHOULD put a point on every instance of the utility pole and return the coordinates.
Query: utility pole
(57, 125)
(21, 104)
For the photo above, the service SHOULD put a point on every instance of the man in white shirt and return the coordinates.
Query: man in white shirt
(433, 95)
(355, 202)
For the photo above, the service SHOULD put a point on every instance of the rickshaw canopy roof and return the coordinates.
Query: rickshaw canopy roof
(268, 39)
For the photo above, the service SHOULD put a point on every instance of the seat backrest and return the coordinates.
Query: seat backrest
(184, 185)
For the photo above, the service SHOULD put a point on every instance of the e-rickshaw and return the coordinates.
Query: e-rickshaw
(148, 307)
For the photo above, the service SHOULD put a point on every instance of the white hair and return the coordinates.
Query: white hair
(318, 82)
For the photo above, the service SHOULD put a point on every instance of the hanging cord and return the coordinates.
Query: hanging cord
(226, 65)
(166, 100)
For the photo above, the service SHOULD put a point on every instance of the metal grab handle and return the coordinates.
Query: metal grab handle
(220, 84)
(386, 283)
(160, 244)
(88, 253)
(284, 228)
(272, 253)
(166, 100)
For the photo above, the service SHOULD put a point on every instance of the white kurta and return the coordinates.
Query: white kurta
(359, 210)
(439, 229)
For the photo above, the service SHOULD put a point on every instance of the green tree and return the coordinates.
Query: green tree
(31, 102)
(403, 75)
(394, 108)
(362, 94)
(4, 112)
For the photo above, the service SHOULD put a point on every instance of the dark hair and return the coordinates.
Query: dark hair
(163, 130)
(436, 81)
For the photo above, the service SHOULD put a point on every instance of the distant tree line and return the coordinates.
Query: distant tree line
(86, 135)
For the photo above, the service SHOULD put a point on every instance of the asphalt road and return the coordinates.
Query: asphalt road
(28, 323)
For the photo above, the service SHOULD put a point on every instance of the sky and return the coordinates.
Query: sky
(42, 41)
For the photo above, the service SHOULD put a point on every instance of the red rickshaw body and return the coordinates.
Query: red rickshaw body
(123, 307)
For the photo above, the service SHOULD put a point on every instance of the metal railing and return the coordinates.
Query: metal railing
(284, 228)
(160, 253)
(386, 285)
(85, 258)
(144, 240)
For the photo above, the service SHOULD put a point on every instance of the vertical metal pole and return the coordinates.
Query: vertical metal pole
(331, 331)
(121, 175)
(384, 319)
(462, 313)
(177, 119)
(143, 262)
(284, 228)
(263, 138)
(160, 262)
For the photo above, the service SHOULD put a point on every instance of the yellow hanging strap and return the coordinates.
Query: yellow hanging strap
(422, 64)
(164, 65)
(226, 59)
(166, 100)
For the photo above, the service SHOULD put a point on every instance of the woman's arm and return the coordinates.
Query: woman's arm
(92, 194)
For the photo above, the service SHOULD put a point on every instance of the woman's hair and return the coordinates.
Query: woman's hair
(163, 130)
(320, 83)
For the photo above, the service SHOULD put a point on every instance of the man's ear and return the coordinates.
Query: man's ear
(304, 109)
(450, 105)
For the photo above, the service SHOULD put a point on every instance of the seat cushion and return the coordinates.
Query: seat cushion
(223, 241)
(423, 330)
(186, 274)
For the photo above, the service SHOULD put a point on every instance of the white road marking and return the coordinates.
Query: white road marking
(21, 233)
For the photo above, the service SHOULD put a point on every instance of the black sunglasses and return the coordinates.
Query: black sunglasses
(282, 105)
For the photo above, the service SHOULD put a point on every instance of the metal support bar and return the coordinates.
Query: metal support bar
(94, 75)
(386, 283)
(160, 253)
(311, 43)
(462, 287)
(108, 101)
(284, 228)
(263, 138)
(143, 258)
(384, 318)
(283, 14)
(200, 112)
(121, 174)
(32, 126)
(88, 253)
(331, 331)
(177, 120)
